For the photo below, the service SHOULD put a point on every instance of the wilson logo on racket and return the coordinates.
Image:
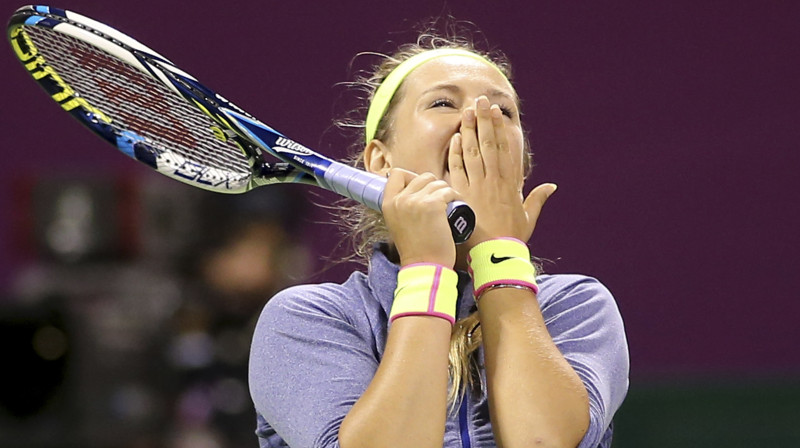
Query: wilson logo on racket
(284, 144)
(461, 224)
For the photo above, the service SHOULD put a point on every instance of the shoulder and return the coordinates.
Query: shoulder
(332, 300)
(302, 319)
(565, 283)
(573, 290)
(306, 334)
(579, 306)
(316, 310)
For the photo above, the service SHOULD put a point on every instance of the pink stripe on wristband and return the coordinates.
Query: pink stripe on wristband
(425, 289)
(437, 276)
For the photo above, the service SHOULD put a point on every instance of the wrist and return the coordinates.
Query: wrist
(501, 263)
(425, 289)
(424, 255)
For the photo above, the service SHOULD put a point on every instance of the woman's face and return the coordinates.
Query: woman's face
(430, 110)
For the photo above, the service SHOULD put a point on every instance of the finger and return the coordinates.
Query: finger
(535, 201)
(420, 182)
(455, 164)
(400, 179)
(440, 192)
(486, 137)
(473, 161)
(434, 186)
(447, 195)
(505, 165)
(404, 175)
(395, 183)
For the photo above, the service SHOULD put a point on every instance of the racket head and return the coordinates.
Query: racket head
(140, 102)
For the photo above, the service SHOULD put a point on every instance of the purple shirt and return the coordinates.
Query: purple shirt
(317, 347)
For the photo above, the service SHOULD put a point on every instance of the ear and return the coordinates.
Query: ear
(377, 157)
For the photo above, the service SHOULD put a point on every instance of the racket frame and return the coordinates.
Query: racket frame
(299, 164)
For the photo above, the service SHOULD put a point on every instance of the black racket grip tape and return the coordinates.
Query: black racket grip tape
(461, 219)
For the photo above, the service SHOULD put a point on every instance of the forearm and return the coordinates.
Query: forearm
(406, 402)
(535, 397)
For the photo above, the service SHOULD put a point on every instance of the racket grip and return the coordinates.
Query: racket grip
(367, 188)
(461, 219)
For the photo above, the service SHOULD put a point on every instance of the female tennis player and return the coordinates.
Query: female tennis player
(441, 344)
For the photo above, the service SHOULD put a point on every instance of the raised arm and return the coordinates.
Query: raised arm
(406, 402)
(535, 397)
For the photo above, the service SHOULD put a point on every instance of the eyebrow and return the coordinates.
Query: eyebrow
(455, 88)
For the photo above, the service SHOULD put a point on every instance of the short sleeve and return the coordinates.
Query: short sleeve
(312, 357)
(584, 321)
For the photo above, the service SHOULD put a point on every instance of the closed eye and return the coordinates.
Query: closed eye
(507, 111)
(443, 102)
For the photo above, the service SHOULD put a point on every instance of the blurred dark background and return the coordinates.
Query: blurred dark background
(670, 127)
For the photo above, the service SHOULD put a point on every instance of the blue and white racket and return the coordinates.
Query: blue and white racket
(156, 113)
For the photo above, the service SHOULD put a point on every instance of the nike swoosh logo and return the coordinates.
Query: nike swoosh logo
(496, 260)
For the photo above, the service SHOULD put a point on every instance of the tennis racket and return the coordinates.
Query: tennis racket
(154, 112)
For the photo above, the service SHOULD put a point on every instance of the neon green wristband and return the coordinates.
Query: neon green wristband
(501, 262)
(425, 289)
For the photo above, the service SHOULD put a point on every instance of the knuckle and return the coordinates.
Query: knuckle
(431, 202)
(457, 166)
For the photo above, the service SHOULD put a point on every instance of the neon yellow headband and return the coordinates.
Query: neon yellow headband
(385, 92)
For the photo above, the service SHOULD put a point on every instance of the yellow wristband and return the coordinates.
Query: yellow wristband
(501, 262)
(425, 290)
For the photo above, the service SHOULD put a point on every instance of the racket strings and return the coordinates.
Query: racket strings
(135, 102)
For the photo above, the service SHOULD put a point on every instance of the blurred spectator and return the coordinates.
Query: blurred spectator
(131, 324)
(242, 262)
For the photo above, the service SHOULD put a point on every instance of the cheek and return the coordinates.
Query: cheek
(438, 138)
(434, 132)
(423, 148)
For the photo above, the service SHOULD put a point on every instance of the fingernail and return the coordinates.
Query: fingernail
(553, 190)
(496, 112)
(483, 103)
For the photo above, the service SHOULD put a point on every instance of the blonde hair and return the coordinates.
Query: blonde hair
(367, 228)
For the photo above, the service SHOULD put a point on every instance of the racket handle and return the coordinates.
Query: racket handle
(461, 219)
(367, 188)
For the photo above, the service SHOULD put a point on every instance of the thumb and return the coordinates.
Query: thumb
(535, 201)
